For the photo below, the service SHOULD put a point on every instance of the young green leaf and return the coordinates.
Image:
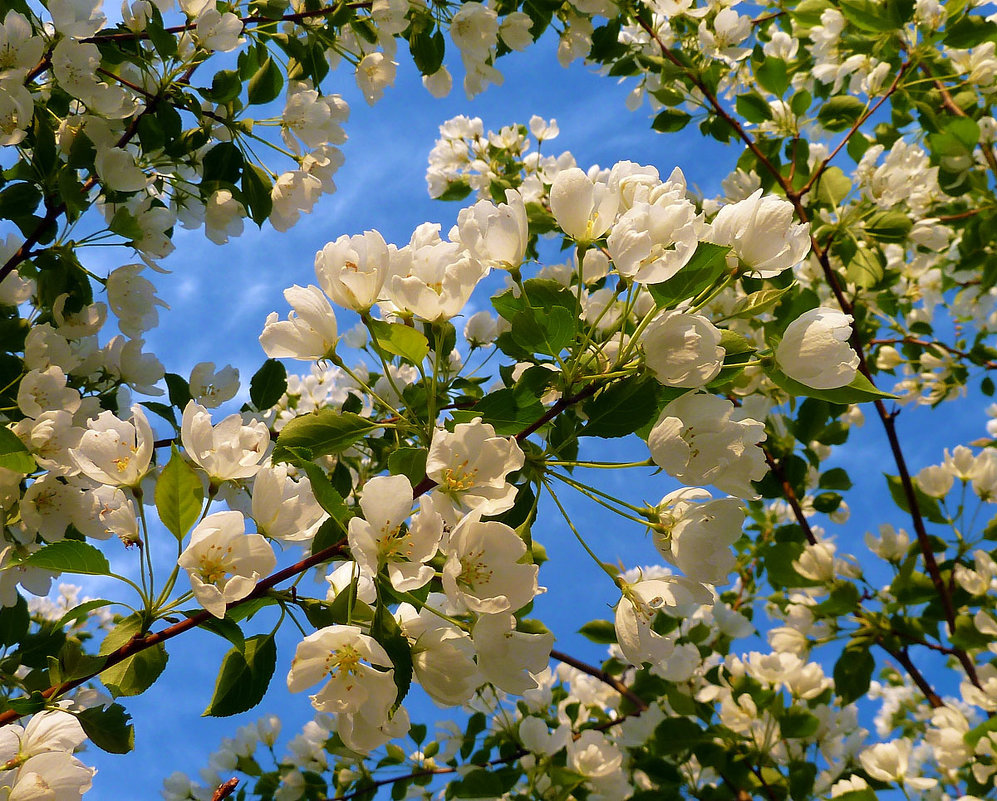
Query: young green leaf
(244, 677)
(70, 556)
(179, 495)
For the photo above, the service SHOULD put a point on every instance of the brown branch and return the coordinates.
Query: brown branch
(989, 365)
(130, 36)
(603, 676)
(922, 683)
(717, 106)
(141, 642)
(519, 753)
(790, 493)
(54, 211)
(797, 194)
(924, 542)
(952, 107)
(225, 790)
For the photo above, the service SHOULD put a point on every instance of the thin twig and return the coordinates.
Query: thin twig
(603, 676)
(791, 499)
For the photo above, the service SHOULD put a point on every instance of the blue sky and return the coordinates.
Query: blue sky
(220, 296)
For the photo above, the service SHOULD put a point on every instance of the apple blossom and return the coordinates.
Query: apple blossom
(694, 533)
(494, 235)
(429, 278)
(762, 235)
(285, 509)
(359, 672)
(652, 241)
(814, 349)
(227, 451)
(309, 332)
(696, 441)
(115, 452)
(583, 208)
(223, 562)
(641, 601)
(682, 350)
(470, 466)
(381, 537)
(483, 571)
(507, 658)
(212, 388)
(352, 270)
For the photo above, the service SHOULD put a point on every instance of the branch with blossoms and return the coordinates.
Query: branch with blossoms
(729, 344)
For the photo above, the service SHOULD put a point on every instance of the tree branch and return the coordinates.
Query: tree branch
(791, 499)
(225, 790)
(603, 676)
(53, 212)
(142, 642)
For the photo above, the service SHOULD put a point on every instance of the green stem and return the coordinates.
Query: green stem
(611, 573)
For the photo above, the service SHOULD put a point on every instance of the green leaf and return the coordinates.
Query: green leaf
(808, 12)
(400, 340)
(137, 673)
(974, 735)
(81, 611)
(853, 672)
(456, 190)
(888, 226)
(225, 87)
(758, 302)
(179, 390)
(928, 506)
(70, 556)
(840, 112)
(385, 629)
(108, 728)
(427, 50)
(843, 599)
(676, 735)
(256, 190)
(866, 15)
(621, 408)
(244, 677)
(326, 495)
(773, 75)
(323, 432)
(179, 495)
(478, 783)
(507, 412)
(224, 627)
(19, 200)
(547, 331)
(970, 31)
(409, 462)
(266, 84)
(601, 632)
(859, 390)
(14, 622)
(833, 186)
(268, 384)
(866, 268)
(797, 723)
(13, 455)
(222, 163)
(835, 479)
(753, 108)
(707, 264)
(670, 120)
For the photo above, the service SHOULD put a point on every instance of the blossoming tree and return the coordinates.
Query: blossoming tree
(733, 343)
